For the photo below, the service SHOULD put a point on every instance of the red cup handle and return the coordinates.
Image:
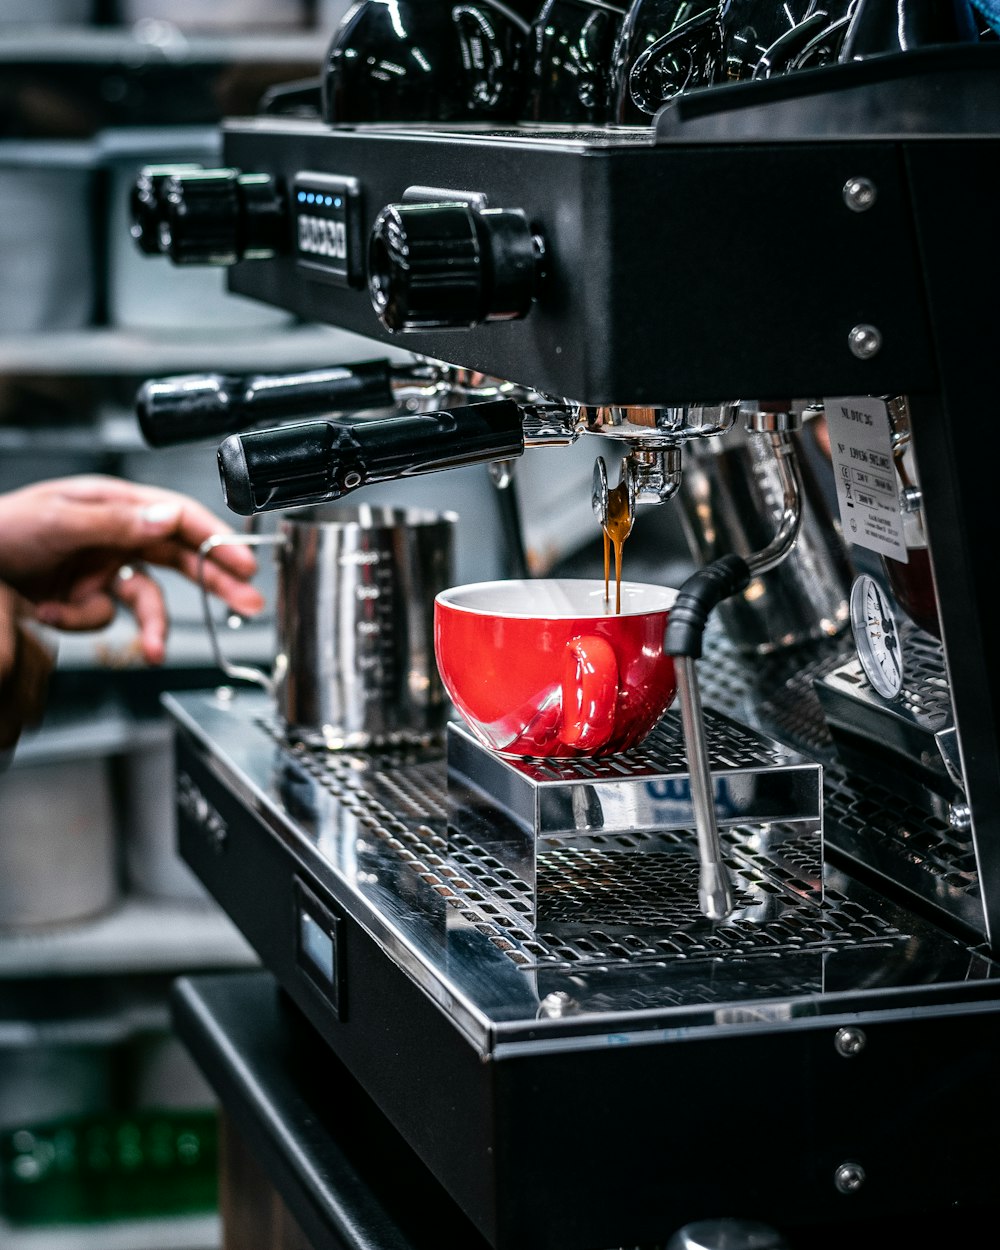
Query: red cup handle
(589, 693)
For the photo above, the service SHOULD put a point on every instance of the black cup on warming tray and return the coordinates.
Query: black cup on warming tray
(572, 43)
(427, 60)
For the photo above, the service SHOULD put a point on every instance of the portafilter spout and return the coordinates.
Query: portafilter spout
(654, 437)
(683, 640)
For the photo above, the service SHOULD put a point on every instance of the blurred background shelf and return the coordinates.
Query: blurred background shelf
(109, 351)
(156, 42)
(137, 936)
(98, 914)
(198, 1232)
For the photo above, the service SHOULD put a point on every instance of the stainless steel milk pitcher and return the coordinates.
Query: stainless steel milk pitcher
(355, 623)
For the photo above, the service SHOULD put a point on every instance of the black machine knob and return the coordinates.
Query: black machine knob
(192, 407)
(451, 265)
(220, 217)
(315, 462)
(147, 204)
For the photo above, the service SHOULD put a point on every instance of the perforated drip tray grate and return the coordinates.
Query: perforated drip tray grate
(616, 900)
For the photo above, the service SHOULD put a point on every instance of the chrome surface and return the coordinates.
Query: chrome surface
(647, 789)
(726, 1234)
(917, 723)
(733, 489)
(355, 623)
(849, 1178)
(850, 1042)
(429, 878)
(655, 473)
(652, 426)
(860, 194)
(652, 789)
(865, 341)
(789, 516)
(715, 895)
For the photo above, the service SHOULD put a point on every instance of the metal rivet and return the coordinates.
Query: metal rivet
(556, 1004)
(849, 1178)
(860, 194)
(351, 480)
(864, 342)
(960, 817)
(850, 1042)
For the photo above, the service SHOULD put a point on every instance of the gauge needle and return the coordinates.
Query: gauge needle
(891, 644)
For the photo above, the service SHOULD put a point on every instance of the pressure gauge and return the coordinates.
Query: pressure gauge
(876, 636)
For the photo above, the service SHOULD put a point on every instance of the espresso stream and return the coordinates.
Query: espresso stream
(617, 528)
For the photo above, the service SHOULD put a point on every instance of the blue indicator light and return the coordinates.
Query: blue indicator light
(338, 202)
(302, 197)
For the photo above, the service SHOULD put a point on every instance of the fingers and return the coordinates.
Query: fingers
(144, 599)
(220, 580)
(68, 539)
(168, 514)
(57, 520)
(91, 611)
(135, 590)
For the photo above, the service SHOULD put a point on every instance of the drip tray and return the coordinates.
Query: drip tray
(525, 812)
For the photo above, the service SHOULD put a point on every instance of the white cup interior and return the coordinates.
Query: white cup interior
(559, 598)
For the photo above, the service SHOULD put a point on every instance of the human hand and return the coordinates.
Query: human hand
(25, 666)
(66, 543)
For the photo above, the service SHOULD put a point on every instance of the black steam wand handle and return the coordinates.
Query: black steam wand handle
(193, 407)
(315, 462)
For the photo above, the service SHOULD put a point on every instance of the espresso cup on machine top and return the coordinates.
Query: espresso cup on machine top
(427, 61)
(571, 47)
(354, 619)
(548, 668)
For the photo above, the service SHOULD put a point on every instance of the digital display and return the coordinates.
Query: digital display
(327, 227)
(319, 946)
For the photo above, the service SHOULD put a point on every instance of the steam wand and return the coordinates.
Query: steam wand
(685, 628)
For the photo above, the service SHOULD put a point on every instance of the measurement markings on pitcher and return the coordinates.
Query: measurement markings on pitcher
(376, 657)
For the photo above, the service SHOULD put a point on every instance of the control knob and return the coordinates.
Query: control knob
(146, 203)
(451, 265)
(208, 216)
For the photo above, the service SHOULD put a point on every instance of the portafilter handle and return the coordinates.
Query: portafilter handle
(192, 407)
(315, 462)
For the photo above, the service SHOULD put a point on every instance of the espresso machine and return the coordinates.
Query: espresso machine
(561, 981)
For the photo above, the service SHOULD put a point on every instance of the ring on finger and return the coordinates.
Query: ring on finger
(127, 572)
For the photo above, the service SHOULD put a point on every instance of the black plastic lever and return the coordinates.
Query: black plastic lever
(314, 462)
(187, 409)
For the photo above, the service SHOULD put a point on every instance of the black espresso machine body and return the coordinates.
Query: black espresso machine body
(510, 958)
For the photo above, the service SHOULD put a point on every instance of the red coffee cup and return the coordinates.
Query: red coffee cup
(548, 668)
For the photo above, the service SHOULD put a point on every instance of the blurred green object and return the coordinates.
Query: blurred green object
(101, 1168)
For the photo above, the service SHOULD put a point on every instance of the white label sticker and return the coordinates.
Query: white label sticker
(867, 487)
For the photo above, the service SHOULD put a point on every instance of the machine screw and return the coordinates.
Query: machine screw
(864, 342)
(960, 817)
(849, 1178)
(850, 1042)
(556, 1004)
(860, 194)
